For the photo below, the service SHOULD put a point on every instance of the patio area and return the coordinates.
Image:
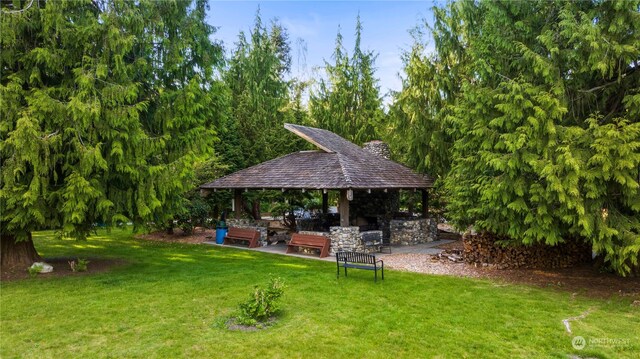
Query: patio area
(362, 183)
(280, 248)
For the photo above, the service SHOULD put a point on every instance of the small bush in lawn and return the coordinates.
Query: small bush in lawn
(262, 304)
(35, 269)
(79, 266)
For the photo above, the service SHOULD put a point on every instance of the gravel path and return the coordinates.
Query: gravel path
(423, 263)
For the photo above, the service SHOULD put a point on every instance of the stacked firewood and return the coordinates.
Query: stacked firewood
(452, 255)
(448, 235)
(482, 249)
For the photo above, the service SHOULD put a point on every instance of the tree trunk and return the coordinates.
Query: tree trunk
(17, 253)
(169, 229)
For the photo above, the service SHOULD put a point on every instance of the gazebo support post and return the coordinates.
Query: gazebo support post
(344, 208)
(237, 202)
(425, 203)
(325, 202)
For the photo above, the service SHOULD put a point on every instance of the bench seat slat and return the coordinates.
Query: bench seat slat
(358, 266)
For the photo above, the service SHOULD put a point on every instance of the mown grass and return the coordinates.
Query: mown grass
(170, 301)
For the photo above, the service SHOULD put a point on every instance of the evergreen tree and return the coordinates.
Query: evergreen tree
(348, 101)
(260, 93)
(543, 117)
(105, 106)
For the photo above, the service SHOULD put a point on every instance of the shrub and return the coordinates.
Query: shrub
(195, 215)
(34, 270)
(79, 266)
(262, 304)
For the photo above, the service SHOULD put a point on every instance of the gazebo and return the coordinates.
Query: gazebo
(338, 165)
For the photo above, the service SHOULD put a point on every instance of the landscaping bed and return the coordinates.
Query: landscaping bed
(62, 268)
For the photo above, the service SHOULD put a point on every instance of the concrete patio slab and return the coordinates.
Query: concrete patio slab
(281, 248)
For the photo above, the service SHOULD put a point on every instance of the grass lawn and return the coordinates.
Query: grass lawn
(170, 299)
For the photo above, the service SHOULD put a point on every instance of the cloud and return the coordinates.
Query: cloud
(303, 28)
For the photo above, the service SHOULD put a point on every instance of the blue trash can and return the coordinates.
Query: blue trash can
(220, 234)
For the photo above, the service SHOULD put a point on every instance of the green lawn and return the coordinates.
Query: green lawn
(169, 301)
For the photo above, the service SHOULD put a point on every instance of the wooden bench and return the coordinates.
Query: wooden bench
(243, 235)
(359, 261)
(309, 241)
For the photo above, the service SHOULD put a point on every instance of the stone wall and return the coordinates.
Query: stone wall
(260, 226)
(345, 239)
(413, 231)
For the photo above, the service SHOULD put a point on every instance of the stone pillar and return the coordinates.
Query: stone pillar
(345, 239)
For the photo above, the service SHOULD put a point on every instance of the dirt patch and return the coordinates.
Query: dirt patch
(61, 268)
(232, 324)
(199, 235)
(584, 280)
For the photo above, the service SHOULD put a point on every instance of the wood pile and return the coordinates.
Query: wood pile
(452, 255)
(481, 249)
(448, 235)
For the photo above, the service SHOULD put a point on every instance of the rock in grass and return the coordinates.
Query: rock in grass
(45, 267)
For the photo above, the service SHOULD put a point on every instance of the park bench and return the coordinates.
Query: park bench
(359, 261)
(309, 241)
(242, 235)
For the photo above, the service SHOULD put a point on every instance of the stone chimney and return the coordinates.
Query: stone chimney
(378, 148)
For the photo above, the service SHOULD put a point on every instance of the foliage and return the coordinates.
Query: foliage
(200, 284)
(348, 101)
(196, 214)
(259, 95)
(80, 266)
(417, 132)
(105, 107)
(34, 270)
(540, 103)
(262, 304)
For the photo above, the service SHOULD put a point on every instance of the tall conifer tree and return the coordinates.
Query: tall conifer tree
(105, 105)
(540, 102)
(260, 92)
(348, 101)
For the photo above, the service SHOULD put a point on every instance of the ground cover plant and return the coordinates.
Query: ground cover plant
(167, 300)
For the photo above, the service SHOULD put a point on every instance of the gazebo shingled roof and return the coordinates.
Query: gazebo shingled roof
(339, 164)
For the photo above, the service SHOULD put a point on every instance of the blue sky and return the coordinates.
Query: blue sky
(386, 29)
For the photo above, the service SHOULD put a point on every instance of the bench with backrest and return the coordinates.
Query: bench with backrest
(242, 235)
(309, 241)
(359, 261)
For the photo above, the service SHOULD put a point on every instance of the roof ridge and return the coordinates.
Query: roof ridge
(347, 178)
(296, 129)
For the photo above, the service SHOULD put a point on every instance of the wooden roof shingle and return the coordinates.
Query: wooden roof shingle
(339, 164)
